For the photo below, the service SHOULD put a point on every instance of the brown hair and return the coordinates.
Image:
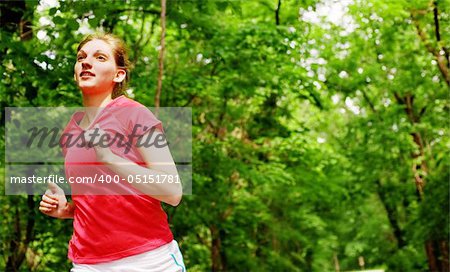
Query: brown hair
(120, 55)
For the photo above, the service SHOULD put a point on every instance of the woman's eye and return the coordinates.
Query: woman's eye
(101, 58)
(80, 58)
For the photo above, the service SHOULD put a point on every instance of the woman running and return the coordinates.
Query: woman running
(119, 224)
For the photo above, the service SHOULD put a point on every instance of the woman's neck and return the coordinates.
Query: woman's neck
(94, 103)
(97, 100)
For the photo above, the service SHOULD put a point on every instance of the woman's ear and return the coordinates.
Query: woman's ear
(120, 75)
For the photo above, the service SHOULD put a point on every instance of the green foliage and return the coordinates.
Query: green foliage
(303, 143)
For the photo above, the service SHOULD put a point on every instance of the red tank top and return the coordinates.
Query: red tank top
(111, 221)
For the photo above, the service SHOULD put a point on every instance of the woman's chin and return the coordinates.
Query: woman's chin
(92, 87)
(90, 90)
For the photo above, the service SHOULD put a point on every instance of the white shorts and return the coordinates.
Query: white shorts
(165, 258)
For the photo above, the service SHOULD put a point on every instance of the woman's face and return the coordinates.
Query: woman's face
(96, 70)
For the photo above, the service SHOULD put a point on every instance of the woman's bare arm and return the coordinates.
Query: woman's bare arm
(159, 165)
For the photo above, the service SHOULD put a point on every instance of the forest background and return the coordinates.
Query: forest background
(320, 128)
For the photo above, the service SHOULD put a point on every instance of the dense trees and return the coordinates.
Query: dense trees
(320, 129)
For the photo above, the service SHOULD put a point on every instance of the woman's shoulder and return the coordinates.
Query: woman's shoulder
(123, 107)
(128, 109)
(124, 101)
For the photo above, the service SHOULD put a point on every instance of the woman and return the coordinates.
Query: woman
(120, 225)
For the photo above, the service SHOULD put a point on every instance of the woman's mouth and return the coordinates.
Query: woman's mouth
(86, 74)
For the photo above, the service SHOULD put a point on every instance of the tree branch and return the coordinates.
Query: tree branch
(161, 55)
(436, 21)
(151, 11)
(441, 60)
(366, 97)
(437, 31)
(399, 99)
(138, 42)
(277, 13)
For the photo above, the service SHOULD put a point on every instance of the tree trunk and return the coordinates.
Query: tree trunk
(161, 56)
(18, 245)
(217, 258)
(391, 213)
(432, 262)
(444, 253)
(437, 251)
(337, 268)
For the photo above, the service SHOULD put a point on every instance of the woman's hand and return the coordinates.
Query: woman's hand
(54, 203)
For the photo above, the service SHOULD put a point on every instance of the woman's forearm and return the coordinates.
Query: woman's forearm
(168, 192)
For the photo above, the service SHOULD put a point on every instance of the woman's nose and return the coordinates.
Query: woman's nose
(86, 64)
